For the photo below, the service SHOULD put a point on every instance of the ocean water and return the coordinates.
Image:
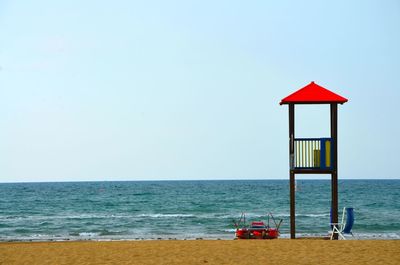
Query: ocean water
(188, 209)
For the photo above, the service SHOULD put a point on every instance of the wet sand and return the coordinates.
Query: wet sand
(279, 251)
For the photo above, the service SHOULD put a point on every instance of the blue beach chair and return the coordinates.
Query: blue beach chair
(343, 228)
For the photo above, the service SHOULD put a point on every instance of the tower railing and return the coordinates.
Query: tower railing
(313, 153)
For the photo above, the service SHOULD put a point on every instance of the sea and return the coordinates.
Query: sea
(151, 210)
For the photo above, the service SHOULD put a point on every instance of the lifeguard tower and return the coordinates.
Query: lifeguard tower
(313, 155)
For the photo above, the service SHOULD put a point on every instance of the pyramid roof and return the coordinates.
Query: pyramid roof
(313, 94)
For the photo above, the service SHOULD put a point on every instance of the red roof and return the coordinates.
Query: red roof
(313, 94)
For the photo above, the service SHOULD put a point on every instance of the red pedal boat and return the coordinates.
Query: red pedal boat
(256, 229)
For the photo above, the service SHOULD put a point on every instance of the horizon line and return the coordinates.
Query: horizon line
(165, 180)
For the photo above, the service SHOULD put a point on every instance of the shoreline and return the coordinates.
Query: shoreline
(362, 237)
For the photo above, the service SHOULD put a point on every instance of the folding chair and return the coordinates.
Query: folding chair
(343, 228)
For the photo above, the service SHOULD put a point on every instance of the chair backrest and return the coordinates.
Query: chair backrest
(331, 217)
(349, 220)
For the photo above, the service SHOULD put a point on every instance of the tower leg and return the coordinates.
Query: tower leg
(292, 175)
(334, 188)
(292, 207)
(334, 175)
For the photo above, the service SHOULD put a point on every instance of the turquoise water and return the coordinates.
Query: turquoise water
(188, 209)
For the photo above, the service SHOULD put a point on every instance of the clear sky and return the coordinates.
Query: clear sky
(144, 90)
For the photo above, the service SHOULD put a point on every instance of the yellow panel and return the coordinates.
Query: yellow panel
(328, 153)
(317, 158)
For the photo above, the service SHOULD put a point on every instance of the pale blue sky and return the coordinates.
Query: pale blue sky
(143, 90)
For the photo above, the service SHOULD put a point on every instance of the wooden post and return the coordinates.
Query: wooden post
(334, 175)
(292, 207)
(292, 175)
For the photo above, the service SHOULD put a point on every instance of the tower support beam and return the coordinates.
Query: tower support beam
(334, 175)
(292, 174)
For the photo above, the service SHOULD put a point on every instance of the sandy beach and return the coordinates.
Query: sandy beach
(203, 252)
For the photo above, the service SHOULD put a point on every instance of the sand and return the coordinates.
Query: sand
(279, 251)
